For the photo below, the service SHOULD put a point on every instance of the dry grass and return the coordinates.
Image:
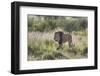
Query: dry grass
(41, 46)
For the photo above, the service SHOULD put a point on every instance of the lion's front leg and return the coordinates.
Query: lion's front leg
(60, 46)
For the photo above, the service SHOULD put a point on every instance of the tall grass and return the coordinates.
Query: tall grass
(46, 49)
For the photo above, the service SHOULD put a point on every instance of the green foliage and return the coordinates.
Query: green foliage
(47, 50)
(81, 33)
(47, 23)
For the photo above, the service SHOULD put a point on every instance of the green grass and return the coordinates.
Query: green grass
(46, 49)
(81, 33)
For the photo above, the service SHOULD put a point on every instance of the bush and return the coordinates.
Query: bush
(48, 23)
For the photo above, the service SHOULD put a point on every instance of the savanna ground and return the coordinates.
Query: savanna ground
(41, 43)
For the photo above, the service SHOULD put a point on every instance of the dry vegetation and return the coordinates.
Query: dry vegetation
(41, 44)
